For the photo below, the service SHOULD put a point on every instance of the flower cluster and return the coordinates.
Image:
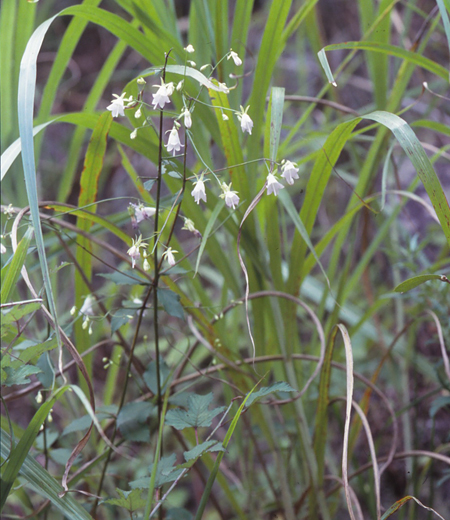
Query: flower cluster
(162, 97)
(289, 172)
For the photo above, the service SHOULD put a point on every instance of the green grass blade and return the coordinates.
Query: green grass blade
(27, 86)
(13, 269)
(19, 452)
(90, 175)
(44, 484)
(445, 19)
(89, 106)
(220, 454)
(414, 150)
(7, 25)
(391, 50)
(314, 192)
(414, 282)
(271, 46)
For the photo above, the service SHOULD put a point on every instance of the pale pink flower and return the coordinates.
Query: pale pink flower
(135, 250)
(174, 145)
(289, 172)
(273, 186)
(142, 213)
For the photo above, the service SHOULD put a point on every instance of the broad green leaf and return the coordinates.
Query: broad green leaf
(82, 423)
(121, 317)
(281, 386)
(130, 500)
(411, 283)
(151, 380)
(197, 414)
(18, 311)
(19, 375)
(202, 448)
(171, 303)
(132, 421)
(125, 277)
(166, 472)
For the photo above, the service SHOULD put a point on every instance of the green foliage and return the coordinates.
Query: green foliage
(196, 415)
(164, 267)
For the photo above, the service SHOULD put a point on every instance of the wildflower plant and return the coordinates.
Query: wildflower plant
(226, 320)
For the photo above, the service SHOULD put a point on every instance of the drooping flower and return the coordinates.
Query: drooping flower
(273, 186)
(289, 171)
(135, 250)
(236, 59)
(224, 117)
(133, 134)
(87, 307)
(199, 192)
(117, 105)
(187, 118)
(138, 113)
(190, 49)
(142, 212)
(173, 144)
(190, 226)
(180, 85)
(192, 63)
(168, 255)
(231, 197)
(245, 120)
(223, 88)
(162, 96)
